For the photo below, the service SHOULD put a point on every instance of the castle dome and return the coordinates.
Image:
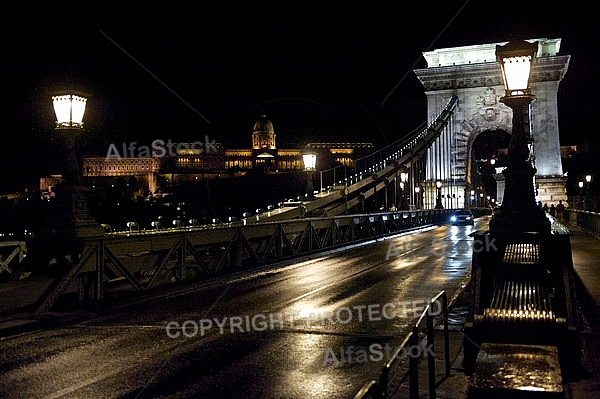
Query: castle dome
(263, 125)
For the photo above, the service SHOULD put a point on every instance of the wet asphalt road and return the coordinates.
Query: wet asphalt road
(275, 333)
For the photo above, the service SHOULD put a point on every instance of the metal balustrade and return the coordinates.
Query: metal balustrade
(139, 262)
(11, 252)
(588, 221)
(400, 368)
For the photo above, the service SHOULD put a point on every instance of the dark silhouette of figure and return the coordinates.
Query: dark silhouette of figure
(560, 209)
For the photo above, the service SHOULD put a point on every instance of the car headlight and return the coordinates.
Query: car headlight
(453, 218)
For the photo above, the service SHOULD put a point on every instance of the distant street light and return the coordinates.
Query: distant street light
(418, 197)
(403, 181)
(310, 163)
(132, 226)
(580, 202)
(587, 202)
(588, 179)
(438, 201)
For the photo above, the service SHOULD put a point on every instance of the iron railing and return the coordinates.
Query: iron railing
(406, 368)
(588, 221)
(138, 262)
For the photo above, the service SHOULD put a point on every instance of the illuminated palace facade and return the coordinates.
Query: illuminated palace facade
(189, 162)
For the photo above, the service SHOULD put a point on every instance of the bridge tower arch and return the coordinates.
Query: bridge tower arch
(473, 75)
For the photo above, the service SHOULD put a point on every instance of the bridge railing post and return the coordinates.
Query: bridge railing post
(413, 366)
(182, 267)
(431, 352)
(98, 280)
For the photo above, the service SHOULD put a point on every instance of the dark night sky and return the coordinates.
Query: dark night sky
(318, 75)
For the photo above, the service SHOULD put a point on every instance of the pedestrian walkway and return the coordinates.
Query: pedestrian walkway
(586, 261)
(586, 385)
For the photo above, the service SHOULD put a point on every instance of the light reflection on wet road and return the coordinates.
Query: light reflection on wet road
(274, 334)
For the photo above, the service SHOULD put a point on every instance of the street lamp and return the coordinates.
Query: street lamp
(587, 203)
(580, 202)
(403, 181)
(72, 219)
(310, 163)
(519, 212)
(438, 201)
(418, 197)
(401, 205)
(588, 179)
(69, 108)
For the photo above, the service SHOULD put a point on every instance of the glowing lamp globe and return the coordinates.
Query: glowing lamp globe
(515, 60)
(69, 110)
(310, 161)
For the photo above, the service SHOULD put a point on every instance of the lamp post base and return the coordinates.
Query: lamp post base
(72, 219)
(509, 221)
(438, 203)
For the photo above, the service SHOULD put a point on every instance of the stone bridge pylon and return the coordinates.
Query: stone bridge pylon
(473, 75)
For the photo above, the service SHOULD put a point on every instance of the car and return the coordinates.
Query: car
(462, 217)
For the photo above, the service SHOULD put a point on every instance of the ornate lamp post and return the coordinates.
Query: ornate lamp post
(72, 219)
(519, 212)
(69, 109)
(438, 200)
(310, 163)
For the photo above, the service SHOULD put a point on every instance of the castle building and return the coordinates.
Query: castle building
(145, 168)
(189, 162)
